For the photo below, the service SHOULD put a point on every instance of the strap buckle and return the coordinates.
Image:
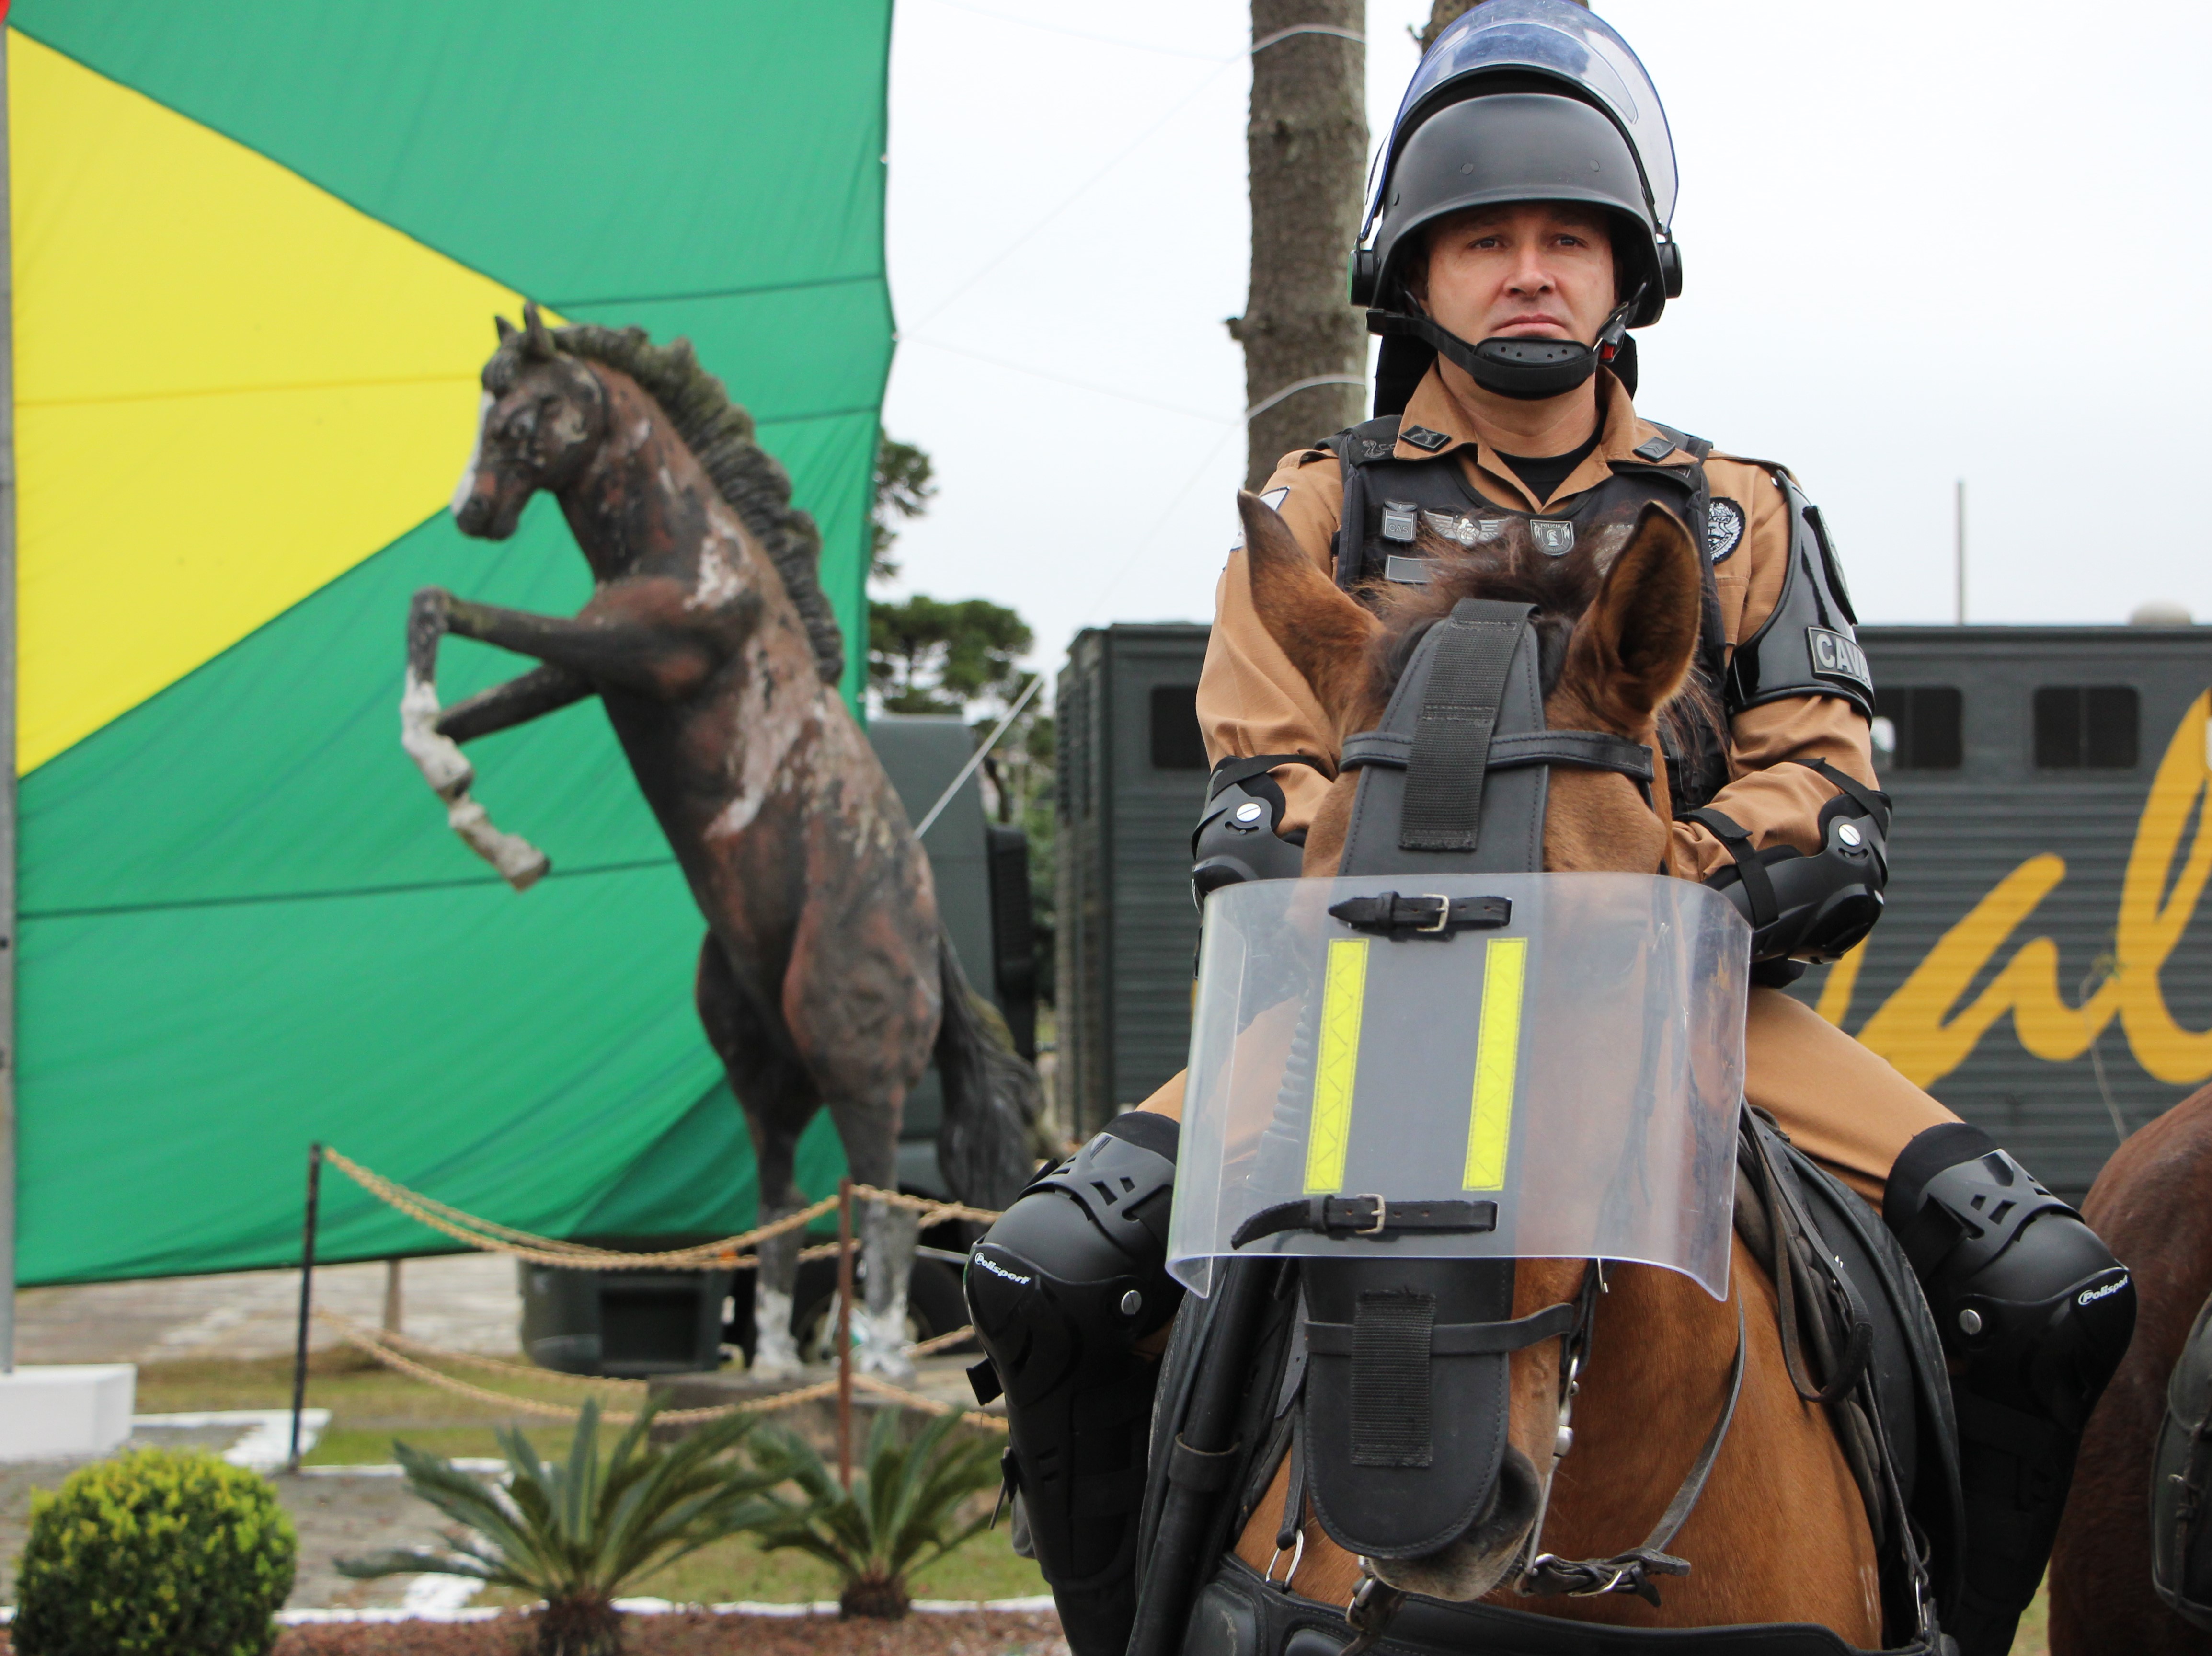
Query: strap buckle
(1391, 916)
(1382, 1216)
(1298, 1557)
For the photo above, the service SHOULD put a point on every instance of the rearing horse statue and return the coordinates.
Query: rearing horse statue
(826, 977)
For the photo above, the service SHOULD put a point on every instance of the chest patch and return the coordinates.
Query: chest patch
(1723, 528)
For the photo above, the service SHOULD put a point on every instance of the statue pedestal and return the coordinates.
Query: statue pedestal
(55, 1411)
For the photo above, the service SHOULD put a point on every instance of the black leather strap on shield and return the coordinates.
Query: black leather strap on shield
(1368, 1215)
(1472, 648)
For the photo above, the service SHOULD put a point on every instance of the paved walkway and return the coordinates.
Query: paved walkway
(335, 1516)
(464, 1301)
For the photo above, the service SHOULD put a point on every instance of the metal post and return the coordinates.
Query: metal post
(7, 750)
(845, 1333)
(306, 1295)
(1958, 548)
(394, 1303)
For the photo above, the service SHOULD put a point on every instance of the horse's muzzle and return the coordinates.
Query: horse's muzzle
(487, 517)
(1480, 1559)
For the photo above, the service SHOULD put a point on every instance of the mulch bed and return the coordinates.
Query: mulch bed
(983, 1633)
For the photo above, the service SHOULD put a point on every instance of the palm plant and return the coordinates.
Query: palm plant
(577, 1534)
(899, 1516)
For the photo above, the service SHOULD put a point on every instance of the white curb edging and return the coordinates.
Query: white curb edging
(266, 1443)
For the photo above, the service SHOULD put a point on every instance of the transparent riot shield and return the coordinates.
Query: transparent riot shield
(1527, 1066)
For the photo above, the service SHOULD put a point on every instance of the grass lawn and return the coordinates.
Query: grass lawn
(369, 1405)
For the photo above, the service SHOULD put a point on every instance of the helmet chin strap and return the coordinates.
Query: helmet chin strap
(1527, 369)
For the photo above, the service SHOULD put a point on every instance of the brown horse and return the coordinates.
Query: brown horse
(1780, 1533)
(826, 978)
(2152, 1206)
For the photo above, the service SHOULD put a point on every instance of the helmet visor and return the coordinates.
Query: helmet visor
(1558, 38)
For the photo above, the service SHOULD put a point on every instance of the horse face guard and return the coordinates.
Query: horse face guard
(1406, 1398)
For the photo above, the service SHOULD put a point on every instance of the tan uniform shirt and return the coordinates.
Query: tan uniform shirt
(1251, 700)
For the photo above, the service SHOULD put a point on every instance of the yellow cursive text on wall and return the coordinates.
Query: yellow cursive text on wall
(1920, 1029)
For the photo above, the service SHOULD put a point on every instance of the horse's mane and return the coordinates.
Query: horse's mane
(1560, 589)
(720, 434)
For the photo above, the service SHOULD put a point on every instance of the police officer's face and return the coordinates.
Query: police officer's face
(1537, 270)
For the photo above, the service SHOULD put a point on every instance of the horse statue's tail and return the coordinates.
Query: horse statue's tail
(990, 1095)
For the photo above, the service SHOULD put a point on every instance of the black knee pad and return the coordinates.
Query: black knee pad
(1060, 1289)
(2026, 1295)
(2038, 1314)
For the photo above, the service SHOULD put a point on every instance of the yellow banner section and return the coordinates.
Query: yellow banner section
(231, 388)
(1496, 1062)
(1336, 1064)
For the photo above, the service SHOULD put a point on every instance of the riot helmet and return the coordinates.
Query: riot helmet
(1519, 100)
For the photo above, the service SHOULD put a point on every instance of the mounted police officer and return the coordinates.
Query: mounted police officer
(1519, 229)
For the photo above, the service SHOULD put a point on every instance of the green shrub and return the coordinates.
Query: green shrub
(578, 1533)
(901, 1515)
(158, 1552)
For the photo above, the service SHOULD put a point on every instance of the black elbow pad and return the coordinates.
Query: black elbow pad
(1809, 907)
(1238, 835)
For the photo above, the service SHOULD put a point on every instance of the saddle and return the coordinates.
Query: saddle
(1858, 1338)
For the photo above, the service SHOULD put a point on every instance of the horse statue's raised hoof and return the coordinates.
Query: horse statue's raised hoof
(449, 773)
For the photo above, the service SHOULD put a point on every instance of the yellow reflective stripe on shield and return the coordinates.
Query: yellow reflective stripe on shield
(1496, 1062)
(1336, 1064)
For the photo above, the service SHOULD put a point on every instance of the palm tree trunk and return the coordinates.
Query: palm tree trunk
(1442, 14)
(580, 1626)
(1307, 145)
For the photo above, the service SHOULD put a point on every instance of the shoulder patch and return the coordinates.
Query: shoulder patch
(1313, 454)
(1723, 528)
(1657, 448)
(1421, 437)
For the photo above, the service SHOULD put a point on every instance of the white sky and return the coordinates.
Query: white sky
(1922, 244)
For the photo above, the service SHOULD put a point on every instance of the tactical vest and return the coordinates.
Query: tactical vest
(1387, 501)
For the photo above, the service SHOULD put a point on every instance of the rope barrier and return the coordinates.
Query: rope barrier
(372, 1343)
(379, 1344)
(385, 1345)
(726, 1254)
(923, 1348)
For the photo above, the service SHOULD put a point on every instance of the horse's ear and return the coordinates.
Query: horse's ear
(1322, 631)
(536, 341)
(1634, 645)
(507, 329)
